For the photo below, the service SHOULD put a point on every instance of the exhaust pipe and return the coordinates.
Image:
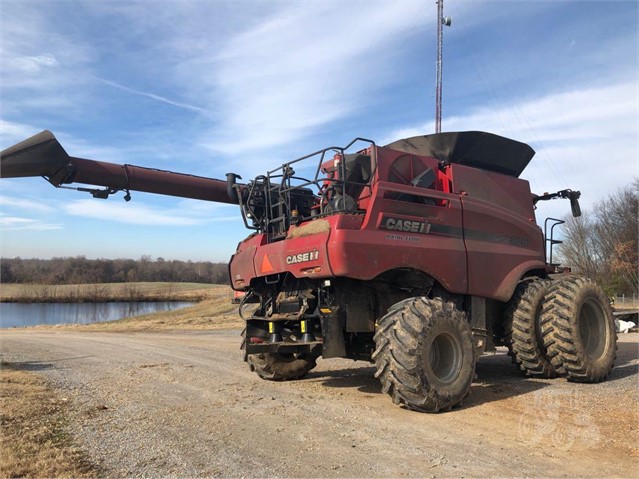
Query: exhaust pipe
(231, 190)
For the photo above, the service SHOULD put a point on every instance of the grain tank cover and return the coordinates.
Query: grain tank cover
(471, 148)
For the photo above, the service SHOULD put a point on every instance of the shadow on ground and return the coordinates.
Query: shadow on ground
(627, 363)
(36, 365)
(361, 378)
(497, 378)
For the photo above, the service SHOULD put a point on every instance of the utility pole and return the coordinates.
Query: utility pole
(441, 21)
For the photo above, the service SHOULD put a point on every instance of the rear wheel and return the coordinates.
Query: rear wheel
(521, 324)
(578, 329)
(424, 354)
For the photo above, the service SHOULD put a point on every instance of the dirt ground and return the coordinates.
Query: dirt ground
(184, 404)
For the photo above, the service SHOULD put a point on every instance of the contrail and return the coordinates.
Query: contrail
(151, 95)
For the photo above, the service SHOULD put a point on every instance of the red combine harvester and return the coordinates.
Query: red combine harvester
(418, 256)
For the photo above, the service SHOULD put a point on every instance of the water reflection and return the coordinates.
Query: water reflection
(31, 314)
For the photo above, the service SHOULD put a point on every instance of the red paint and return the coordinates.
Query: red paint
(480, 235)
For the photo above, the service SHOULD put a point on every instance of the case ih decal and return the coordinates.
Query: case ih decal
(303, 257)
(404, 225)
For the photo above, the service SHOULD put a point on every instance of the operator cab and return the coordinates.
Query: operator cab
(346, 183)
(306, 189)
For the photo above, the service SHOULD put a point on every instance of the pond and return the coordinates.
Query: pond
(31, 314)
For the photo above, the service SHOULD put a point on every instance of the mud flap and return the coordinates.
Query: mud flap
(478, 324)
(334, 345)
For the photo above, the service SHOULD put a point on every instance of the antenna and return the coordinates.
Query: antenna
(441, 21)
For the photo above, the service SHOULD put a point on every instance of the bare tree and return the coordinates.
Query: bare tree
(603, 244)
(579, 249)
(79, 269)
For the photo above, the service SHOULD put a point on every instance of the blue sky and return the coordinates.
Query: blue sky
(212, 87)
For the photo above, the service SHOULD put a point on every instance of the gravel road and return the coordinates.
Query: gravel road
(184, 404)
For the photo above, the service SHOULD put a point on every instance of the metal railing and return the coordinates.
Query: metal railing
(626, 301)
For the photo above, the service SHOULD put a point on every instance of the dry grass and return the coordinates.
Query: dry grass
(308, 229)
(78, 293)
(33, 442)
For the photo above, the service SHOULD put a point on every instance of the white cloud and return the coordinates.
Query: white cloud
(205, 209)
(587, 114)
(585, 139)
(33, 64)
(14, 132)
(268, 76)
(24, 204)
(14, 223)
(302, 67)
(139, 214)
(38, 59)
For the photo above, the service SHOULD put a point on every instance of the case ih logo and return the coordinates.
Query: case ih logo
(407, 226)
(303, 257)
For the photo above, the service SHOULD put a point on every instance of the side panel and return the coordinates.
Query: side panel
(501, 236)
(420, 230)
(304, 256)
(241, 269)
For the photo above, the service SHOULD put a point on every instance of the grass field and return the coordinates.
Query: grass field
(103, 292)
(33, 441)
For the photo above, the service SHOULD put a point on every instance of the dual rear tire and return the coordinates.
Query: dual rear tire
(561, 328)
(522, 329)
(578, 330)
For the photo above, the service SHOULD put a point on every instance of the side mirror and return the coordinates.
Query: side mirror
(574, 206)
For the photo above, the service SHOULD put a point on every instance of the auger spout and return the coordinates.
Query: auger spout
(42, 155)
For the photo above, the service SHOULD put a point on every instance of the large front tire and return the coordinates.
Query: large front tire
(579, 330)
(424, 354)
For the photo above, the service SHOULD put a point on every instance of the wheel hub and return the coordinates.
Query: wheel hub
(593, 329)
(445, 358)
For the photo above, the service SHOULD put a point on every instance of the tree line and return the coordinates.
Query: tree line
(80, 270)
(602, 244)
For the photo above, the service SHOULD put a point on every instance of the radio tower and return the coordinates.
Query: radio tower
(441, 21)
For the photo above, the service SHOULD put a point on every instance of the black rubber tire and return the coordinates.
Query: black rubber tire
(521, 324)
(424, 354)
(281, 367)
(579, 330)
